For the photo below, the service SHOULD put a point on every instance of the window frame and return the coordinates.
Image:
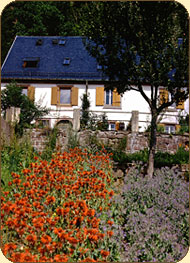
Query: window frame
(64, 87)
(110, 124)
(110, 98)
(169, 126)
(25, 88)
(64, 104)
(30, 63)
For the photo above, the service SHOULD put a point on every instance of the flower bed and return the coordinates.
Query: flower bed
(155, 214)
(58, 211)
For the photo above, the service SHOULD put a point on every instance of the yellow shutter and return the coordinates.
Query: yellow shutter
(54, 97)
(74, 96)
(117, 126)
(116, 98)
(180, 105)
(31, 93)
(177, 127)
(100, 96)
(163, 96)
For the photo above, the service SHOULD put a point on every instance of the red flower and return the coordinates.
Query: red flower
(45, 239)
(104, 253)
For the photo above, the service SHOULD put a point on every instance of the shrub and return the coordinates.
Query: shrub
(12, 97)
(155, 214)
(161, 158)
(51, 142)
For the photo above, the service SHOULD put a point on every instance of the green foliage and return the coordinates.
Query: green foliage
(90, 120)
(137, 43)
(184, 123)
(85, 111)
(12, 96)
(51, 143)
(102, 124)
(73, 141)
(161, 158)
(15, 157)
(38, 18)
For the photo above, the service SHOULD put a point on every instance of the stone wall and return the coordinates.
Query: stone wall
(38, 138)
(134, 141)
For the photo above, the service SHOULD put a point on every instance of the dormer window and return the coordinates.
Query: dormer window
(62, 42)
(30, 62)
(55, 41)
(66, 61)
(39, 42)
(99, 67)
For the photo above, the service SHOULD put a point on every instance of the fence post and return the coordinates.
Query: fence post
(135, 121)
(76, 119)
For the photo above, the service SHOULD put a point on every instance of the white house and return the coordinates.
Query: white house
(56, 71)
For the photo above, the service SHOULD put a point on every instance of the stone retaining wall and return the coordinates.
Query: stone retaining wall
(134, 141)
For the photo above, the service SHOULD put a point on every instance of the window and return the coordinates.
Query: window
(55, 41)
(39, 42)
(169, 128)
(30, 62)
(29, 91)
(65, 96)
(43, 123)
(99, 67)
(66, 61)
(62, 42)
(25, 91)
(109, 97)
(112, 126)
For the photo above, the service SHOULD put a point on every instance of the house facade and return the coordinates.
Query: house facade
(57, 71)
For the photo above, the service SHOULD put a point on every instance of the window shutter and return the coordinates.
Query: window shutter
(116, 98)
(54, 97)
(31, 93)
(177, 127)
(99, 96)
(180, 105)
(163, 96)
(74, 96)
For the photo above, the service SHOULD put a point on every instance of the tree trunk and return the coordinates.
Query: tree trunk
(152, 145)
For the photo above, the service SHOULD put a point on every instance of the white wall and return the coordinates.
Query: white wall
(130, 101)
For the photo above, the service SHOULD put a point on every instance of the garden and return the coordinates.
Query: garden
(66, 207)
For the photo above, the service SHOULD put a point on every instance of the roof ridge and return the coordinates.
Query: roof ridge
(50, 36)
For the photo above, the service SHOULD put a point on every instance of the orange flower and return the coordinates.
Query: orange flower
(61, 258)
(88, 260)
(110, 222)
(45, 239)
(104, 253)
(31, 238)
(9, 247)
(50, 199)
(110, 233)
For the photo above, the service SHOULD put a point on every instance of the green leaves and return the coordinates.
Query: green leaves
(12, 97)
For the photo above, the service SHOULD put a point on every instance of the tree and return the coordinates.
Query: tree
(39, 18)
(141, 43)
(85, 111)
(12, 96)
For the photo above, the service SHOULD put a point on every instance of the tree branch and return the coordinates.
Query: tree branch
(144, 95)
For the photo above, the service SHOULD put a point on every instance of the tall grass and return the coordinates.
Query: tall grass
(14, 157)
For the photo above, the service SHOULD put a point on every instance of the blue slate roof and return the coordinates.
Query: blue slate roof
(50, 57)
